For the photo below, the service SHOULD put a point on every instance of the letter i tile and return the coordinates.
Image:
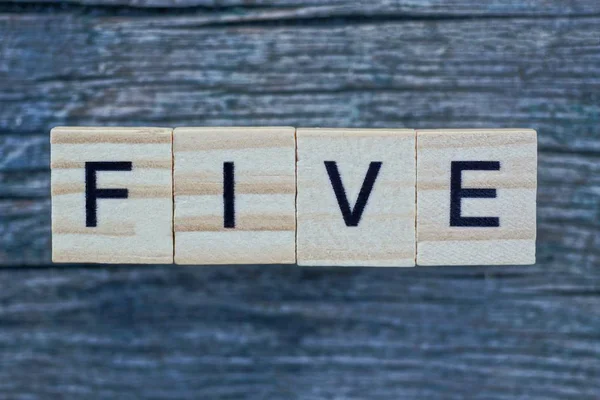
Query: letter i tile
(356, 197)
(235, 194)
(476, 196)
(112, 195)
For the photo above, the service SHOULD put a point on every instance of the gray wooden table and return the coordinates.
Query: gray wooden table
(286, 332)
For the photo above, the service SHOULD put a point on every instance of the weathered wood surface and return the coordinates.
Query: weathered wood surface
(329, 8)
(288, 332)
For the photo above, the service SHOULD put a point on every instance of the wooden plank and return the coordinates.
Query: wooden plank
(25, 233)
(178, 332)
(540, 74)
(326, 8)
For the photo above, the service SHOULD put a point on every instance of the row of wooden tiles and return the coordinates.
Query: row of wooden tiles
(281, 195)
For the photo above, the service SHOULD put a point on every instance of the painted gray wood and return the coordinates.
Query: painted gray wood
(328, 8)
(289, 332)
(284, 332)
(67, 69)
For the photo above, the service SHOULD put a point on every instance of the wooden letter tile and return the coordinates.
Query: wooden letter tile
(356, 197)
(112, 195)
(476, 197)
(235, 194)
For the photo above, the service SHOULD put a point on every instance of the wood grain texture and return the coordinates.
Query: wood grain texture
(259, 332)
(137, 229)
(281, 9)
(494, 333)
(381, 231)
(262, 213)
(418, 74)
(514, 185)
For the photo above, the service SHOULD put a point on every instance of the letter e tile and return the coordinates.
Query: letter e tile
(476, 196)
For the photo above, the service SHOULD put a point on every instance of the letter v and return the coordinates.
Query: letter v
(352, 216)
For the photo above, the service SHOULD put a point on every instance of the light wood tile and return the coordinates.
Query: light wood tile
(349, 160)
(498, 228)
(86, 226)
(235, 194)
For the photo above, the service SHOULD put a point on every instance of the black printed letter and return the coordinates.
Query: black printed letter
(352, 217)
(457, 192)
(92, 193)
(228, 195)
